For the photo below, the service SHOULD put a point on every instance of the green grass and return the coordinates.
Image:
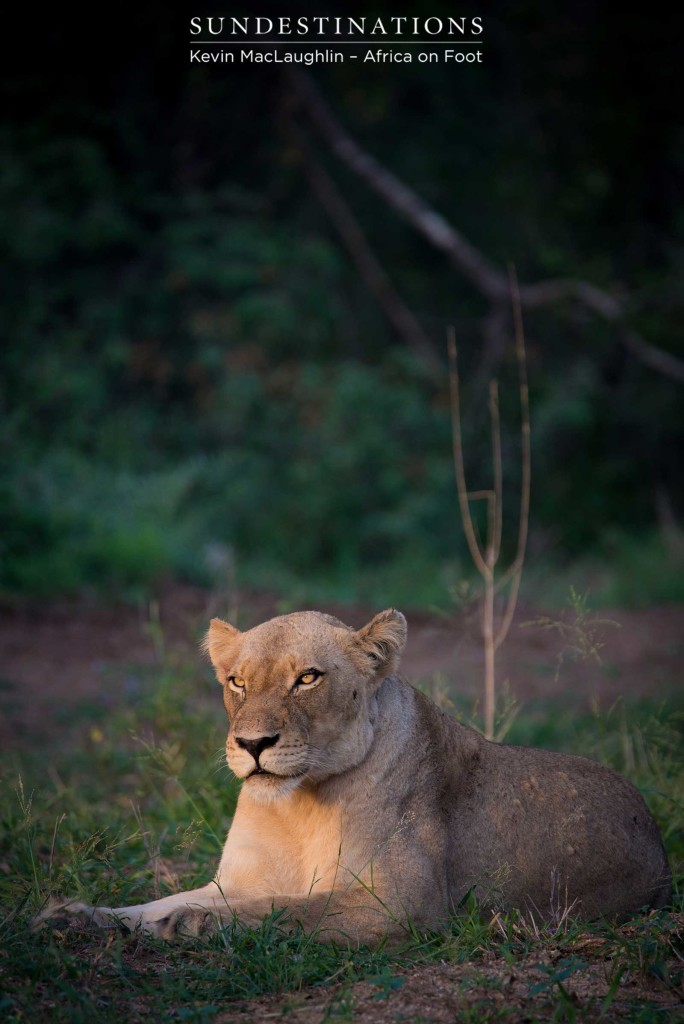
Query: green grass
(128, 807)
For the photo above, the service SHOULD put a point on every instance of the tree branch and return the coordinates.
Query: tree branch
(514, 573)
(496, 525)
(459, 464)
(489, 280)
(431, 224)
(368, 265)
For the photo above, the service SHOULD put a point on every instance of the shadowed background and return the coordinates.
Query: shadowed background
(199, 383)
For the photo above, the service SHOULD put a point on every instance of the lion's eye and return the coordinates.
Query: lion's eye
(237, 684)
(307, 679)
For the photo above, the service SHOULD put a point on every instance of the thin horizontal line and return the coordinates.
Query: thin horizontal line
(344, 42)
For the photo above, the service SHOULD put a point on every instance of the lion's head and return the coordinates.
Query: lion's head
(300, 694)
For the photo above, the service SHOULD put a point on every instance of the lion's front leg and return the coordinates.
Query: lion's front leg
(352, 916)
(191, 912)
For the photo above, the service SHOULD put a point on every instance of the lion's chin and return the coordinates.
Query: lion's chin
(266, 788)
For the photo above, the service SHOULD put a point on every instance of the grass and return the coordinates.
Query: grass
(134, 805)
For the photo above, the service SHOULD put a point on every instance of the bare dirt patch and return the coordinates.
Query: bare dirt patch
(585, 981)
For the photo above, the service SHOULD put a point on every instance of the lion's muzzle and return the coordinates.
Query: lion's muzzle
(255, 747)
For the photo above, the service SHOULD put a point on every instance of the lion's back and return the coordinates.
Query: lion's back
(533, 828)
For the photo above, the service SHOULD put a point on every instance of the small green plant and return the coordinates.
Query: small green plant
(580, 632)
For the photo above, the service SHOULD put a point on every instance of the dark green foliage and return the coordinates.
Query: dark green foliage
(193, 360)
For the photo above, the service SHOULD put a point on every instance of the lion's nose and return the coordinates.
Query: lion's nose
(255, 747)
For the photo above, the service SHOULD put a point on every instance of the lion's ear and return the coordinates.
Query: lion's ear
(219, 641)
(382, 640)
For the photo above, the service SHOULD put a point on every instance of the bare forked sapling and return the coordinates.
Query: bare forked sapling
(486, 556)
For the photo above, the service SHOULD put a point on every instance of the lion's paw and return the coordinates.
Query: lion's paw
(70, 914)
(180, 923)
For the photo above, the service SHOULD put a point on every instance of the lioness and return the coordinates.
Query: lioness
(364, 806)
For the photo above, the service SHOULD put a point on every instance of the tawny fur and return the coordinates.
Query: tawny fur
(376, 808)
